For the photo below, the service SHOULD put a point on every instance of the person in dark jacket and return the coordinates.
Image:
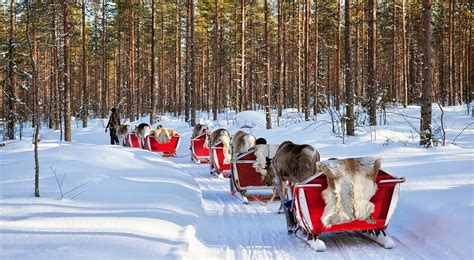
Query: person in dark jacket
(113, 124)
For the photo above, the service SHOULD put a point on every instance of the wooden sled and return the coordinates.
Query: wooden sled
(168, 149)
(247, 181)
(218, 167)
(131, 140)
(199, 153)
(308, 206)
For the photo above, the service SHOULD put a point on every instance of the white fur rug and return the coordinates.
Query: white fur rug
(351, 185)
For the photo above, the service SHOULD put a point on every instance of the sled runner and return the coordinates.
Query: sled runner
(131, 140)
(219, 168)
(245, 179)
(308, 205)
(199, 153)
(168, 149)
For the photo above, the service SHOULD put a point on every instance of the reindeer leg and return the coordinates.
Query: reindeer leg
(280, 194)
(290, 224)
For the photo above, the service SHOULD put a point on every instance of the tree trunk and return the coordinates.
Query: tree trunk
(393, 89)
(177, 62)
(131, 60)
(138, 61)
(371, 62)
(298, 76)
(280, 57)
(243, 4)
(348, 71)
(152, 63)
(105, 70)
(307, 28)
(161, 81)
(33, 58)
(66, 74)
(427, 89)
(405, 58)
(337, 63)
(357, 53)
(216, 61)
(85, 75)
(470, 69)
(11, 85)
(451, 53)
(268, 87)
(442, 87)
(316, 59)
(190, 112)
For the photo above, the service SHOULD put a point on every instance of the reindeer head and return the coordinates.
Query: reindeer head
(270, 176)
(203, 129)
(207, 142)
(143, 130)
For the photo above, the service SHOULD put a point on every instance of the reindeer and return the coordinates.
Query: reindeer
(215, 137)
(143, 130)
(198, 130)
(242, 142)
(122, 131)
(293, 163)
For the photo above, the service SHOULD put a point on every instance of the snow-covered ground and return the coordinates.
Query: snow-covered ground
(130, 203)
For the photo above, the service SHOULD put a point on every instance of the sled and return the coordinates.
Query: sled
(199, 153)
(308, 206)
(218, 167)
(131, 140)
(168, 149)
(247, 181)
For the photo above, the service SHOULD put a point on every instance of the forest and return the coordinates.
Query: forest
(63, 62)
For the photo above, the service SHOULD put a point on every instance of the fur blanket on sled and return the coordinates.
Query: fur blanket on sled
(351, 185)
(163, 135)
(263, 153)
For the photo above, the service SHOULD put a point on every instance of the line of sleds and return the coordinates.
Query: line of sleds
(304, 205)
(161, 140)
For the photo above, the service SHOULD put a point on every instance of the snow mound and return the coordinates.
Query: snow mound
(250, 118)
(116, 201)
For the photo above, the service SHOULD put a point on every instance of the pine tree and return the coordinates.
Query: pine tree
(348, 70)
(427, 91)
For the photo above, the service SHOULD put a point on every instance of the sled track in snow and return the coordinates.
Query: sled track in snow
(255, 231)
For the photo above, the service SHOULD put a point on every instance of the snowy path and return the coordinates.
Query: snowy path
(137, 204)
(253, 231)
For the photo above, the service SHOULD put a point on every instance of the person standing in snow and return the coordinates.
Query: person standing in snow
(113, 124)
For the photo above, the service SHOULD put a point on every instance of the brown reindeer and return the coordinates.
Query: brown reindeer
(122, 131)
(294, 163)
(198, 130)
(217, 136)
(143, 130)
(242, 142)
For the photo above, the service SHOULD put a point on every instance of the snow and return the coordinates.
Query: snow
(131, 203)
(251, 119)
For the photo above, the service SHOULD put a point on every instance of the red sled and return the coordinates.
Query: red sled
(245, 179)
(218, 167)
(131, 140)
(199, 153)
(168, 149)
(308, 206)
